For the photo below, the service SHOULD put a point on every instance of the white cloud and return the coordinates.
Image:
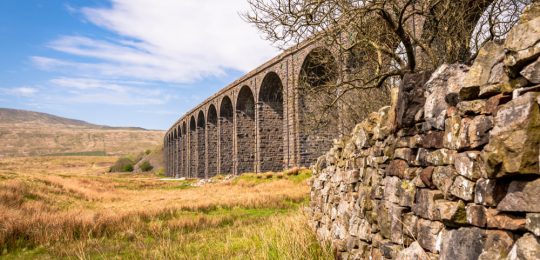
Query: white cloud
(94, 91)
(168, 40)
(20, 91)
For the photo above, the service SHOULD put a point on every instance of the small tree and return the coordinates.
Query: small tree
(146, 166)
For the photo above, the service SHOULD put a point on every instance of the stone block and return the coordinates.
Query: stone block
(397, 167)
(392, 186)
(489, 192)
(532, 72)
(426, 176)
(441, 157)
(447, 80)
(463, 188)
(473, 107)
(443, 178)
(522, 196)
(425, 203)
(451, 213)
(414, 251)
(463, 244)
(477, 131)
(532, 223)
(411, 98)
(476, 215)
(525, 248)
(480, 72)
(428, 234)
(498, 244)
(501, 220)
(433, 139)
(451, 133)
(470, 165)
(515, 139)
(523, 41)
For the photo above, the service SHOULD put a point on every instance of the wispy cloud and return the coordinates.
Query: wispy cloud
(20, 91)
(168, 41)
(94, 91)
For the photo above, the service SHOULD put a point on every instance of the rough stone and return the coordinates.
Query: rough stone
(463, 244)
(532, 223)
(498, 244)
(473, 107)
(532, 72)
(451, 213)
(426, 176)
(522, 42)
(514, 141)
(447, 80)
(469, 164)
(501, 220)
(443, 178)
(463, 188)
(441, 157)
(476, 215)
(489, 192)
(451, 133)
(411, 98)
(428, 234)
(525, 248)
(480, 72)
(397, 168)
(522, 196)
(425, 203)
(478, 131)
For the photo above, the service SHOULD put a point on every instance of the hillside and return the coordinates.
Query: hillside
(27, 133)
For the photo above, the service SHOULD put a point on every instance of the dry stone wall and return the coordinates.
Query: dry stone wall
(450, 170)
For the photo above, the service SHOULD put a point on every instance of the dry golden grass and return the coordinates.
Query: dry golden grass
(54, 204)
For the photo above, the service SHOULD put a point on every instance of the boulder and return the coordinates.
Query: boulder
(532, 223)
(532, 72)
(522, 196)
(480, 72)
(523, 41)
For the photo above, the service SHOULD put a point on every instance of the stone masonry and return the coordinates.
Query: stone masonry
(450, 170)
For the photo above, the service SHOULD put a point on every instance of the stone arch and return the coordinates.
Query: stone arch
(175, 153)
(245, 130)
(179, 152)
(316, 127)
(193, 147)
(271, 123)
(201, 145)
(212, 135)
(226, 135)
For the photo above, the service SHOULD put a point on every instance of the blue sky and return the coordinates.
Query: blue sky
(122, 62)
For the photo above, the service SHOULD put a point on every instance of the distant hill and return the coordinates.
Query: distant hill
(25, 133)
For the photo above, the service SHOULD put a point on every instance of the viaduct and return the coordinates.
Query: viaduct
(252, 125)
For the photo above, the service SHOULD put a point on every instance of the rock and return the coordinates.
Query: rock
(389, 250)
(532, 223)
(391, 189)
(447, 79)
(500, 220)
(451, 213)
(441, 157)
(489, 192)
(433, 140)
(478, 131)
(407, 192)
(428, 234)
(410, 222)
(515, 139)
(426, 176)
(462, 188)
(469, 164)
(425, 203)
(397, 168)
(443, 178)
(480, 72)
(522, 42)
(476, 215)
(451, 133)
(463, 244)
(498, 244)
(473, 107)
(532, 72)
(414, 251)
(526, 248)
(522, 196)
(492, 104)
(411, 98)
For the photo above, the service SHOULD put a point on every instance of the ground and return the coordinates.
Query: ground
(69, 207)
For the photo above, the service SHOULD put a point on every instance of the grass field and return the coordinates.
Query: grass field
(68, 207)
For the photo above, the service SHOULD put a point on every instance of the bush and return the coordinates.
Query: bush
(122, 165)
(146, 166)
(147, 152)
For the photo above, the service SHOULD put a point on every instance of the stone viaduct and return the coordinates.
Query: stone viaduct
(252, 125)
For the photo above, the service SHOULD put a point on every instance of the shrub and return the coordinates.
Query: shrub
(146, 166)
(122, 165)
(147, 152)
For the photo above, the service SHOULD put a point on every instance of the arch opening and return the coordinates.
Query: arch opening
(213, 135)
(192, 148)
(201, 145)
(185, 144)
(226, 135)
(271, 123)
(179, 154)
(245, 131)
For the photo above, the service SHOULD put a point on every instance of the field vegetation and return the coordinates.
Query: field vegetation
(71, 207)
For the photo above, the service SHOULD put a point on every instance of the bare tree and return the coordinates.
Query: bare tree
(376, 42)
